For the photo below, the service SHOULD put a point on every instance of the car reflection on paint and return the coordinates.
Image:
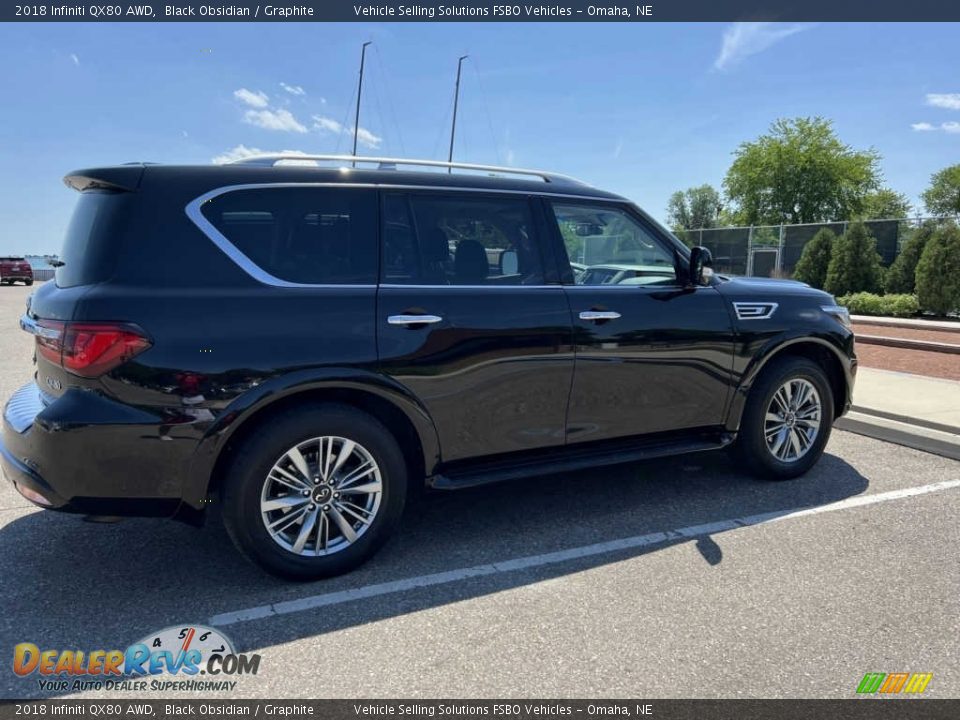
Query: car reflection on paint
(625, 275)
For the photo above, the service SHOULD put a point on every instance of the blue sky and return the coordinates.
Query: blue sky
(640, 109)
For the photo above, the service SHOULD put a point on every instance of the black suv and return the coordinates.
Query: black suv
(302, 344)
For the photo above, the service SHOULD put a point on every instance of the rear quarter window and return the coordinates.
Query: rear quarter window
(310, 236)
(92, 239)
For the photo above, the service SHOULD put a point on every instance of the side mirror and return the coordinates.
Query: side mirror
(509, 262)
(700, 259)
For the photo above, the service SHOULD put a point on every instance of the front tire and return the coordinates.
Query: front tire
(787, 420)
(315, 492)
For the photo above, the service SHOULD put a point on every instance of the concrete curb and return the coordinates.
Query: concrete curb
(908, 344)
(907, 323)
(929, 424)
(903, 431)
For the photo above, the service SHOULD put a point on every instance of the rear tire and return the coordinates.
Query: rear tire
(352, 505)
(787, 420)
(29, 282)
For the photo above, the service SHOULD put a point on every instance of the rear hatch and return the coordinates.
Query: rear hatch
(70, 353)
(14, 267)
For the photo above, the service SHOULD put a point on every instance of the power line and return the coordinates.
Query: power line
(486, 109)
(441, 130)
(390, 105)
(343, 126)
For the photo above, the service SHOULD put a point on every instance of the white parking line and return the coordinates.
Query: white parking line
(532, 561)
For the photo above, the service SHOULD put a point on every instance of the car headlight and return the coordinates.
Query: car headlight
(839, 312)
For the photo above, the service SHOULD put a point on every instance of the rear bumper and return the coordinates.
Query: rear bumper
(84, 453)
(25, 479)
(16, 276)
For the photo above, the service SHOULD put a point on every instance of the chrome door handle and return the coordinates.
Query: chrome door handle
(597, 315)
(413, 319)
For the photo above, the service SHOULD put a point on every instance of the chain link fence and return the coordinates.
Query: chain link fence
(774, 250)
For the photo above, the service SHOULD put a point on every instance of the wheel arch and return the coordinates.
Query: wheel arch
(838, 368)
(372, 393)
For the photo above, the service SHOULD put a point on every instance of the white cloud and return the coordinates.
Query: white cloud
(325, 124)
(253, 99)
(75, 59)
(242, 152)
(951, 126)
(368, 139)
(742, 39)
(274, 120)
(364, 137)
(293, 89)
(950, 101)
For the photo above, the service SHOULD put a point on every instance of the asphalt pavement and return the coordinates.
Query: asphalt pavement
(675, 578)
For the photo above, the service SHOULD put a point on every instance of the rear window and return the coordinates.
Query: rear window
(87, 253)
(312, 236)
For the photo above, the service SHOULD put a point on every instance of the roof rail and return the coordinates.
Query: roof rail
(385, 163)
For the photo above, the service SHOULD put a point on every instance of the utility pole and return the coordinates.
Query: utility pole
(356, 117)
(456, 101)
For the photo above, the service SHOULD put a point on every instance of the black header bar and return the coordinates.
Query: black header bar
(484, 11)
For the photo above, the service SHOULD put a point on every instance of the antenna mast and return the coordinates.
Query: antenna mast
(456, 101)
(356, 117)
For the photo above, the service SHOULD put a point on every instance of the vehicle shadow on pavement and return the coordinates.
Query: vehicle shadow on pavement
(68, 584)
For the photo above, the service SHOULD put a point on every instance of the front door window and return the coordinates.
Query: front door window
(606, 246)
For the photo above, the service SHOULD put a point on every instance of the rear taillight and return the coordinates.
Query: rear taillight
(49, 334)
(89, 349)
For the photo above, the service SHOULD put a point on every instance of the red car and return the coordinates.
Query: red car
(15, 268)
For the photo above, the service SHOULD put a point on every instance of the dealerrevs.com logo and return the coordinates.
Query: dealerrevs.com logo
(198, 658)
(894, 683)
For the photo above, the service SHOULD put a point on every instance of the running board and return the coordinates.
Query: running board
(566, 460)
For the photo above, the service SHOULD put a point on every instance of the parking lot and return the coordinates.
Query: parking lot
(679, 578)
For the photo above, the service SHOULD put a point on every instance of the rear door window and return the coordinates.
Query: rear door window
(460, 240)
(310, 236)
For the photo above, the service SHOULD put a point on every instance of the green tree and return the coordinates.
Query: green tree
(885, 204)
(938, 272)
(800, 172)
(693, 208)
(815, 259)
(854, 263)
(901, 275)
(943, 195)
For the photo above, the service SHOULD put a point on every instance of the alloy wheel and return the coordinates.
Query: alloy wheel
(792, 420)
(321, 496)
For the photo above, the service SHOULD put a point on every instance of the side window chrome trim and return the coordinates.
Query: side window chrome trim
(631, 288)
(194, 212)
(396, 286)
